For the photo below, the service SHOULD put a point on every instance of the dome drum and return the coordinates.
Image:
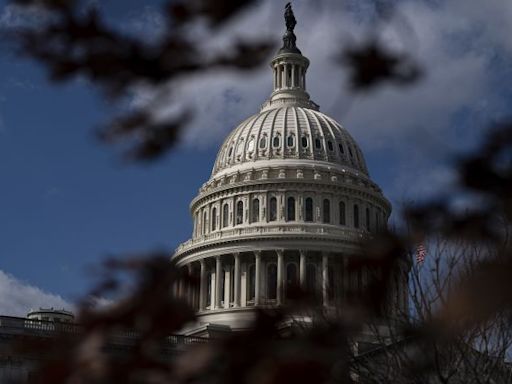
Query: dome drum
(234, 283)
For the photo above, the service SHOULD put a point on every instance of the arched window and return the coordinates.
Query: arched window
(343, 220)
(255, 214)
(205, 224)
(326, 208)
(367, 219)
(250, 144)
(276, 142)
(308, 207)
(290, 209)
(318, 143)
(225, 215)
(290, 141)
(230, 151)
(240, 147)
(340, 146)
(214, 219)
(311, 278)
(350, 152)
(291, 277)
(356, 216)
(330, 146)
(251, 289)
(239, 212)
(272, 209)
(263, 142)
(304, 141)
(271, 282)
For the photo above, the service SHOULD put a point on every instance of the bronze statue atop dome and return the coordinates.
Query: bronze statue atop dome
(289, 38)
(289, 17)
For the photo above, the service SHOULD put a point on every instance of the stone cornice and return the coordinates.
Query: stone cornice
(270, 232)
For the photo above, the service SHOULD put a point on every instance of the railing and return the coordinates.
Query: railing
(282, 229)
(18, 326)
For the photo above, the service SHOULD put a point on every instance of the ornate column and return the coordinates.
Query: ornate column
(294, 67)
(237, 280)
(181, 285)
(280, 267)
(227, 286)
(325, 278)
(257, 277)
(190, 287)
(218, 280)
(202, 286)
(302, 269)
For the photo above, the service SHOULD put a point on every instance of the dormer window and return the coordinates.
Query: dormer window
(250, 145)
(290, 141)
(318, 144)
(330, 146)
(263, 142)
(304, 141)
(276, 142)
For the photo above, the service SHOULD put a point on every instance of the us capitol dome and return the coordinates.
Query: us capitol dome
(288, 202)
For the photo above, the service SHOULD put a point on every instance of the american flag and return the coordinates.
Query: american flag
(421, 252)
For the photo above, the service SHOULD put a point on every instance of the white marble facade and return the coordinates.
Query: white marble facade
(288, 202)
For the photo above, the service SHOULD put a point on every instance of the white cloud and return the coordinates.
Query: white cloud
(17, 297)
(15, 16)
(148, 23)
(455, 41)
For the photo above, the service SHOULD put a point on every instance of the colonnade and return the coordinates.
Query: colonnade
(258, 278)
(289, 76)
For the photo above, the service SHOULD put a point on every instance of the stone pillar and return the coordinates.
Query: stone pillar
(280, 276)
(190, 287)
(237, 280)
(181, 285)
(202, 286)
(293, 75)
(257, 277)
(325, 278)
(227, 287)
(218, 280)
(302, 269)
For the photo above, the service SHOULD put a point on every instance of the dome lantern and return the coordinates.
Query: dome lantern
(289, 68)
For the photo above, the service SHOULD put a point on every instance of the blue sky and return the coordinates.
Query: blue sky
(67, 201)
